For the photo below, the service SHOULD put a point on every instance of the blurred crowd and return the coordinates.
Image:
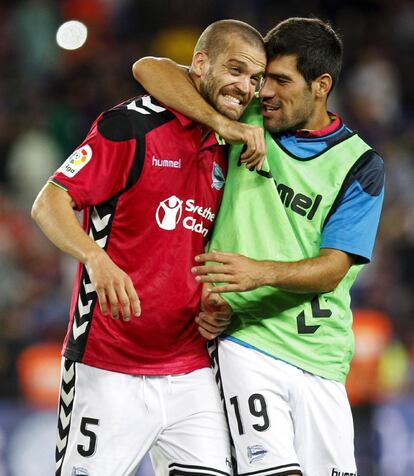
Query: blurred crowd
(50, 96)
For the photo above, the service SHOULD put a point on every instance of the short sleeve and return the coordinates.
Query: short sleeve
(353, 225)
(99, 168)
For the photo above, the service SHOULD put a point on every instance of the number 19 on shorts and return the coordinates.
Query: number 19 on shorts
(258, 409)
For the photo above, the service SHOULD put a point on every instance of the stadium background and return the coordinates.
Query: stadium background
(48, 98)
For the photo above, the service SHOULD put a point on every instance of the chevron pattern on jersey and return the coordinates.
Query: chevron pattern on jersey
(99, 231)
(67, 394)
(84, 308)
(100, 222)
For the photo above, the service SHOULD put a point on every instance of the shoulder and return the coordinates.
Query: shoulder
(133, 118)
(369, 172)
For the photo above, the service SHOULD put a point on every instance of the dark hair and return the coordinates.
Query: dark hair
(212, 40)
(317, 47)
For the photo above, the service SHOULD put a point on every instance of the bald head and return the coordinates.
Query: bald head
(215, 38)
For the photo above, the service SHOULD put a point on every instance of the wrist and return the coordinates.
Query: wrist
(268, 275)
(217, 122)
(92, 256)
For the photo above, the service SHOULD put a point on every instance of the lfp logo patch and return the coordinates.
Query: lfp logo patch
(76, 161)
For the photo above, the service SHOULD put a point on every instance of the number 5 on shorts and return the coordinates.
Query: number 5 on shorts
(90, 449)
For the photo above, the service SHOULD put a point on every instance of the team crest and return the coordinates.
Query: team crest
(256, 453)
(217, 176)
(76, 161)
(79, 472)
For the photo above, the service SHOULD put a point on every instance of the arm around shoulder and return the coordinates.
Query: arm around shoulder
(171, 84)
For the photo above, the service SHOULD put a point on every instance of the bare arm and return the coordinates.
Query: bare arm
(178, 91)
(320, 274)
(172, 85)
(53, 212)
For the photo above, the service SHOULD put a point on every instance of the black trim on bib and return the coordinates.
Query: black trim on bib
(306, 159)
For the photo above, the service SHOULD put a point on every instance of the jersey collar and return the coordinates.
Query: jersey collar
(332, 127)
(211, 139)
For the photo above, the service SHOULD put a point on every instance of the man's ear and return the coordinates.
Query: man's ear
(200, 63)
(322, 85)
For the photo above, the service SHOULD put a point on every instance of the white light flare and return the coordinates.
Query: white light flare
(71, 35)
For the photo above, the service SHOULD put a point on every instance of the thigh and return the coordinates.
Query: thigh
(195, 437)
(324, 428)
(258, 403)
(104, 425)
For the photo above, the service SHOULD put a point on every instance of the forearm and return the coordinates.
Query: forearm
(172, 85)
(316, 275)
(53, 212)
(240, 273)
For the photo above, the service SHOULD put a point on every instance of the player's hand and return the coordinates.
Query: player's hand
(215, 315)
(254, 152)
(113, 286)
(238, 272)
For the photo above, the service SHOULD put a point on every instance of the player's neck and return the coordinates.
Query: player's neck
(318, 121)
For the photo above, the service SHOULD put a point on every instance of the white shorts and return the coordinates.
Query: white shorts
(108, 421)
(284, 421)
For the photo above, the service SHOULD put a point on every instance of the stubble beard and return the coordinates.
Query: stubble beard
(298, 120)
(210, 92)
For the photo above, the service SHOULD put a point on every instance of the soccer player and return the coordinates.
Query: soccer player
(287, 246)
(136, 374)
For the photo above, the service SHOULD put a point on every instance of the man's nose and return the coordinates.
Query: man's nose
(245, 85)
(266, 90)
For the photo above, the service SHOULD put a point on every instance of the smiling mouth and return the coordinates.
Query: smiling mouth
(269, 108)
(232, 100)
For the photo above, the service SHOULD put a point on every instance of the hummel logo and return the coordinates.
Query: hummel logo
(174, 164)
(338, 472)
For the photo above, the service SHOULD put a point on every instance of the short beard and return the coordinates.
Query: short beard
(286, 127)
(294, 124)
(207, 89)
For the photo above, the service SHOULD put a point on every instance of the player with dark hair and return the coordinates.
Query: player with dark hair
(287, 246)
(149, 182)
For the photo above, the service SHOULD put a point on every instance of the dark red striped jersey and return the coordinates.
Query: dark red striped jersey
(149, 187)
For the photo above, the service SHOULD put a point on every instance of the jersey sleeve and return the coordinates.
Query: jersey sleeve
(353, 225)
(99, 168)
